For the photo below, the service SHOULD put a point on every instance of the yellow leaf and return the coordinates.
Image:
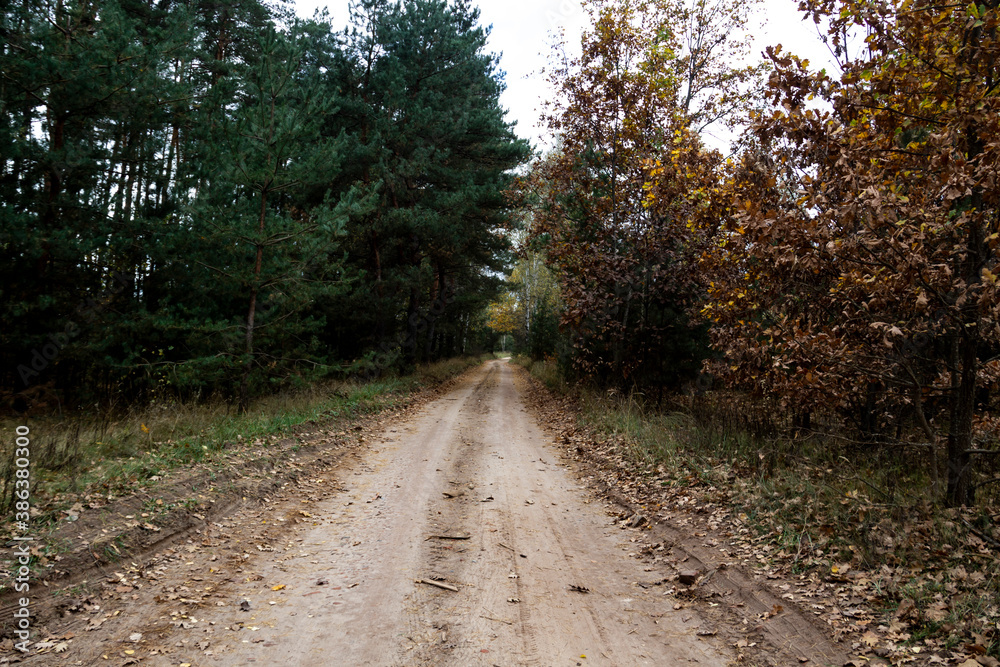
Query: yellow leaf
(278, 587)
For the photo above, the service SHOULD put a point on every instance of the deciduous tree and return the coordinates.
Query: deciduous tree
(613, 202)
(859, 271)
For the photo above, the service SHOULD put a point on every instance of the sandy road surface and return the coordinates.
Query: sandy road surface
(532, 535)
(347, 575)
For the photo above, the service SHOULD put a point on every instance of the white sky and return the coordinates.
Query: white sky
(522, 34)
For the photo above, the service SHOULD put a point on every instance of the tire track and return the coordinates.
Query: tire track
(340, 589)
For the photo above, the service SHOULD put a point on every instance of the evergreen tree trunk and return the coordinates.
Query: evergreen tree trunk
(413, 328)
(252, 310)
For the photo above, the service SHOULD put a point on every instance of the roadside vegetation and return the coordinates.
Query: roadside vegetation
(802, 332)
(849, 523)
(221, 201)
(80, 454)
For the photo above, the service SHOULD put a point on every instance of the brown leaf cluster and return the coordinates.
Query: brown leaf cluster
(622, 205)
(858, 270)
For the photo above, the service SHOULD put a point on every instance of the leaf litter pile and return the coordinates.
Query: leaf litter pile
(917, 587)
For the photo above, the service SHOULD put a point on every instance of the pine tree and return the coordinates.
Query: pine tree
(176, 177)
(81, 111)
(434, 154)
(272, 251)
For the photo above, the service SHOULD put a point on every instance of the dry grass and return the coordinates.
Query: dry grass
(74, 452)
(820, 501)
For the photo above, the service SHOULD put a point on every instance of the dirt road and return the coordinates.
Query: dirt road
(542, 575)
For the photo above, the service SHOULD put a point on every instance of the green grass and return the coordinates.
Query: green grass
(546, 371)
(98, 453)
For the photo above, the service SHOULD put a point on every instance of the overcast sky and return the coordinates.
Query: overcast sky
(522, 34)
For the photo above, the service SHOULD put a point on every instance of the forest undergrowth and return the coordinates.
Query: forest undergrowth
(854, 528)
(113, 454)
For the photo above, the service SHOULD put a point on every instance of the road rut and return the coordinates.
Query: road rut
(347, 567)
(473, 464)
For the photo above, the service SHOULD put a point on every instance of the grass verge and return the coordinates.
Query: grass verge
(83, 453)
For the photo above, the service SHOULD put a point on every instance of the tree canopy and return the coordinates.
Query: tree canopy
(211, 198)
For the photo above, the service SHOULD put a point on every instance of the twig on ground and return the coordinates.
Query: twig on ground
(430, 582)
(498, 620)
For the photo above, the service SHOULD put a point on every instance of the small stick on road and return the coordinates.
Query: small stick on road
(447, 587)
(449, 537)
(498, 620)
